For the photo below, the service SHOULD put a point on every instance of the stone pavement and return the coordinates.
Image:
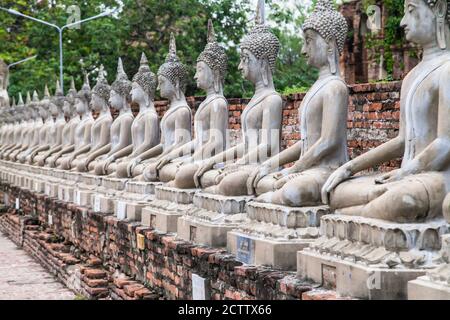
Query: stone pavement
(22, 278)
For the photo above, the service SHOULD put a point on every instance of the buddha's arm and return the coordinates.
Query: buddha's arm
(334, 116)
(152, 153)
(151, 138)
(436, 156)
(286, 156)
(270, 132)
(122, 152)
(66, 150)
(94, 154)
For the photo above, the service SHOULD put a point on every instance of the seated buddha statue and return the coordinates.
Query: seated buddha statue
(415, 192)
(98, 161)
(4, 74)
(90, 134)
(210, 121)
(29, 119)
(16, 131)
(176, 122)
(145, 129)
(56, 109)
(323, 121)
(35, 131)
(46, 133)
(69, 131)
(261, 118)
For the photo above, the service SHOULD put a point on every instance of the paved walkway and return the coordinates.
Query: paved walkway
(22, 278)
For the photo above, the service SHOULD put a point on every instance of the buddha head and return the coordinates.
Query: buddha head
(57, 102)
(20, 108)
(426, 22)
(69, 101)
(172, 75)
(259, 50)
(4, 74)
(28, 113)
(120, 97)
(44, 104)
(83, 97)
(212, 64)
(34, 105)
(144, 83)
(325, 31)
(101, 91)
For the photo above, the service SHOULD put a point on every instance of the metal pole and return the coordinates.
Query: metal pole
(21, 61)
(61, 61)
(60, 31)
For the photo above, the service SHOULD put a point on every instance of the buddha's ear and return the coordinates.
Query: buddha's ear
(177, 89)
(440, 9)
(332, 54)
(217, 80)
(265, 69)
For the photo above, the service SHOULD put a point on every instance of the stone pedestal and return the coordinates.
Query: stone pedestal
(436, 284)
(369, 258)
(169, 205)
(273, 234)
(211, 218)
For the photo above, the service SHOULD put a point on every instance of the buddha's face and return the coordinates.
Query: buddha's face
(97, 102)
(115, 100)
(419, 22)
(42, 112)
(137, 93)
(204, 76)
(80, 106)
(250, 66)
(54, 109)
(315, 49)
(166, 88)
(67, 108)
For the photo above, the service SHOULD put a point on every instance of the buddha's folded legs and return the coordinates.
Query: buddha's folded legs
(412, 199)
(233, 185)
(184, 179)
(168, 172)
(304, 189)
(266, 184)
(208, 179)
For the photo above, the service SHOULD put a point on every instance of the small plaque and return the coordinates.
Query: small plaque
(121, 210)
(328, 276)
(47, 189)
(200, 289)
(67, 195)
(193, 233)
(97, 203)
(50, 220)
(245, 250)
(17, 203)
(140, 241)
(152, 221)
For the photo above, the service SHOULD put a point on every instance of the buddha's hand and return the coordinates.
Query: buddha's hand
(339, 176)
(255, 177)
(389, 177)
(203, 167)
(164, 161)
(132, 165)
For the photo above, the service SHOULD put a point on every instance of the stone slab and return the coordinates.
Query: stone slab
(355, 280)
(220, 204)
(423, 289)
(259, 251)
(180, 196)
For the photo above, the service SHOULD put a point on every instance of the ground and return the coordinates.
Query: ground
(22, 278)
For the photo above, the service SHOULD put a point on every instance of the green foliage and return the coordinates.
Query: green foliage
(141, 26)
(393, 33)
